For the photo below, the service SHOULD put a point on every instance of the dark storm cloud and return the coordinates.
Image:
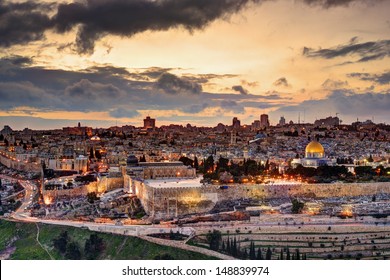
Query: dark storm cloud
(261, 105)
(24, 94)
(231, 105)
(382, 79)
(349, 104)
(118, 91)
(24, 22)
(18, 60)
(195, 108)
(240, 89)
(332, 3)
(97, 18)
(123, 113)
(281, 82)
(172, 84)
(366, 51)
(155, 72)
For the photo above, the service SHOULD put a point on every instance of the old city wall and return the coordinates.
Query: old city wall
(20, 166)
(106, 184)
(173, 202)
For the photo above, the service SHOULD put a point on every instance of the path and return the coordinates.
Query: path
(40, 244)
(181, 245)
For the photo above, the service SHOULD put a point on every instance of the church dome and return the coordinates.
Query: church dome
(132, 160)
(314, 150)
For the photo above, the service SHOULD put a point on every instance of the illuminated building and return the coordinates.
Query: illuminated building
(314, 156)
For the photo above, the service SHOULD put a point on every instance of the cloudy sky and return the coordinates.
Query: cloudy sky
(107, 62)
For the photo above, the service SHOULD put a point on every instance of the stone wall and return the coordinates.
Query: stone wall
(162, 203)
(106, 184)
(19, 165)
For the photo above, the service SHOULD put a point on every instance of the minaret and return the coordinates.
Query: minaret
(233, 138)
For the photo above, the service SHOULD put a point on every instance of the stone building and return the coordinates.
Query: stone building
(161, 170)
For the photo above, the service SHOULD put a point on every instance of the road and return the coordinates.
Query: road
(30, 188)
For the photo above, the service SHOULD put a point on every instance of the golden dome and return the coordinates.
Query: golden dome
(314, 150)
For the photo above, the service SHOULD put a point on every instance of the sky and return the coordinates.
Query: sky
(113, 62)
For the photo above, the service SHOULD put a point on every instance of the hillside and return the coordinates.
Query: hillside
(18, 241)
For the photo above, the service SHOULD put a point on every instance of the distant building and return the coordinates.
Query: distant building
(6, 130)
(149, 123)
(236, 123)
(78, 131)
(255, 125)
(282, 121)
(329, 121)
(166, 170)
(264, 120)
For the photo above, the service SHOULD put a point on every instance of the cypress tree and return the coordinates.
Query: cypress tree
(288, 254)
(281, 254)
(234, 248)
(259, 256)
(298, 257)
(268, 255)
(252, 252)
(228, 248)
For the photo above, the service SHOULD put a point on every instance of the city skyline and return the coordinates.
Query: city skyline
(201, 62)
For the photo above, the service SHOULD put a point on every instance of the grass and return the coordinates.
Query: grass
(117, 247)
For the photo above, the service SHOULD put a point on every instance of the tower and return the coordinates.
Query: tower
(264, 120)
(233, 137)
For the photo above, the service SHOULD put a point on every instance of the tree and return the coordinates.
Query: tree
(228, 246)
(268, 255)
(142, 159)
(297, 206)
(259, 255)
(234, 248)
(98, 154)
(196, 163)
(222, 164)
(281, 254)
(94, 245)
(91, 153)
(186, 161)
(288, 257)
(61, 242)
(214, 238)
(92, 197)
(266, 167)
(252, 251)
(72, 251)
(209, 164)
(298, 255)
